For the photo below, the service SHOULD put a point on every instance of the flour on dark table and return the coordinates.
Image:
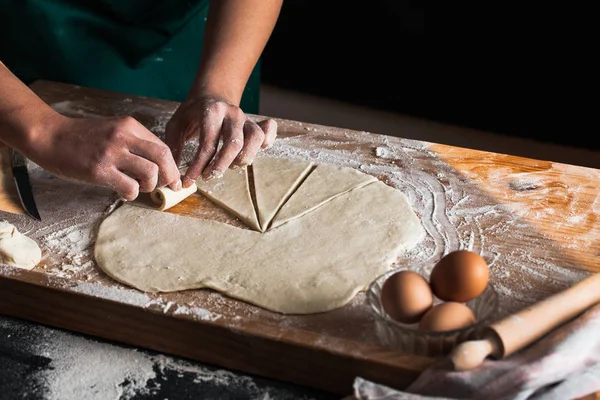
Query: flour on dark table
(37, 362)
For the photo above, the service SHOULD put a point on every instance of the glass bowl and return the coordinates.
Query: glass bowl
(408, 338)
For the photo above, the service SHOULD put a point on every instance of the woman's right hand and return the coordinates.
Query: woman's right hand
(117, 153)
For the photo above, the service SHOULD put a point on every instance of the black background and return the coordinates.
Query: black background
(515, 69)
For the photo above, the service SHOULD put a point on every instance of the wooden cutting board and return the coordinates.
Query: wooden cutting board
(535, 221)
(9, 198)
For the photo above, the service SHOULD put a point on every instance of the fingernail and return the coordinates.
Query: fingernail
(178, 186)
(207, 172)
(187, 182)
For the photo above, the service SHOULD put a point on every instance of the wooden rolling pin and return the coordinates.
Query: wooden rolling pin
(516, 331)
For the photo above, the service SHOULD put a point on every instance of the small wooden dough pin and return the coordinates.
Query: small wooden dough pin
(166, 198)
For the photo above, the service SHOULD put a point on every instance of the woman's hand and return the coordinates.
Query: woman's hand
(117, 153)
(213, 120)
(236, 34)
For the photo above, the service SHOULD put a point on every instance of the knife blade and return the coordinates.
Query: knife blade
(21, 177)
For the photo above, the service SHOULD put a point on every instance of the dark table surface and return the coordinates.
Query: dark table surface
(39, 362)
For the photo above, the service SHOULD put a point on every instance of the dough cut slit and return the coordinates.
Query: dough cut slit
(232, 193)
(252, 191)
(275, 180)
(289, 196)
(319, 205)
(321, 186)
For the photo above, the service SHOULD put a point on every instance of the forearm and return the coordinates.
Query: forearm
(236, 34)
(22, 113)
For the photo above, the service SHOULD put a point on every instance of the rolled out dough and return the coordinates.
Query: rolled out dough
(17, 249)
(323, 184)
(311, 264)
(275, 180)
(232, 192)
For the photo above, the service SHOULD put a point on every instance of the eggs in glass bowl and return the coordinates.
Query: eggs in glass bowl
(430, 315)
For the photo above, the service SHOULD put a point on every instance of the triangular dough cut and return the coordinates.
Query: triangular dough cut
(232, 192)
(325, 183)
(275, 179)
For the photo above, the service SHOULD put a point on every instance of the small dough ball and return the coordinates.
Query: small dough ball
(459, 276)
(447, 317)
(17, 249)
(406, 296)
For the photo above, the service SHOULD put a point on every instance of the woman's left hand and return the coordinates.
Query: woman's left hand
(213, 120)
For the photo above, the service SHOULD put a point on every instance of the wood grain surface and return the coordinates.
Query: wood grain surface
(534, 221)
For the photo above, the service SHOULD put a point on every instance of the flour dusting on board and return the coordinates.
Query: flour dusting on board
(70, 108)
(452, 215)
(71, 213)
(127, 296)
(178, 309)
(199, 313)
(454, 211)
(74, 245)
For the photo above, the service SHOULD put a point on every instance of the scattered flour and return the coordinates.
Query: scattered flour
(73, 245)
(68, 108)
(7, 270)
(94, 371)
(196, 312)
(82, 368)
(454, 212)
(383, 152)
(159, 125)
(115, 293)
(199, 313)
(452, 215)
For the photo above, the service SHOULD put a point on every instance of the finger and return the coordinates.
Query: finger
(152, 148)
(209, 141)
(269, 127)
(126, 187)
(233, 142)
(159, 154)
(254, 137)
(143, 171)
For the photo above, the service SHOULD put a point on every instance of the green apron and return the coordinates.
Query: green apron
(143, 47)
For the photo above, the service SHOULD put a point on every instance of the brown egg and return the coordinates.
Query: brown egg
(406, 296)
(447, 316)
(459, 276)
